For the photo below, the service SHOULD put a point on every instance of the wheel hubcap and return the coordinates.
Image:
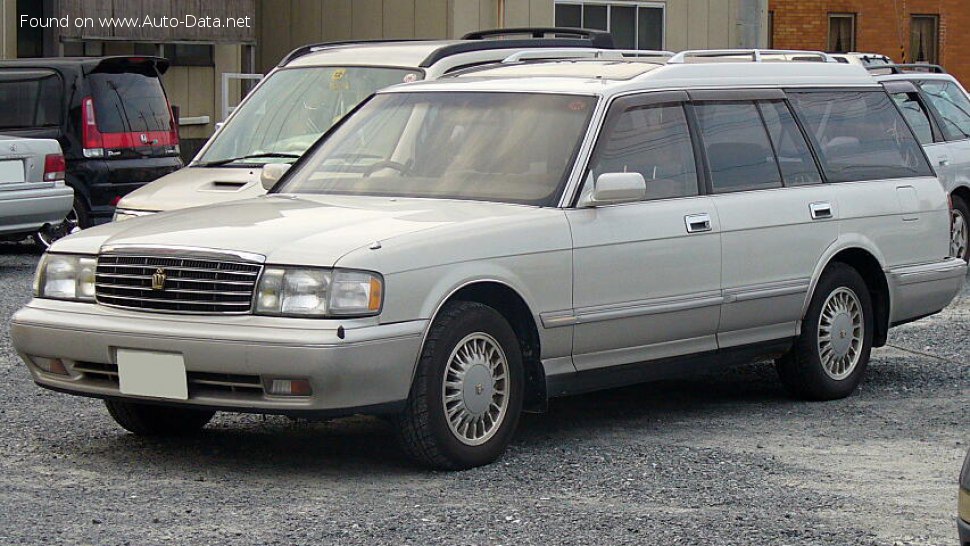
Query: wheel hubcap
(475, 390)
(52, 233)
(958, 235)
(840, 333)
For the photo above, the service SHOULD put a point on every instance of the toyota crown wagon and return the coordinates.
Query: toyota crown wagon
(459, 251)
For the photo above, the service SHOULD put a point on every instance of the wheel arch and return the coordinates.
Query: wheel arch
(509, 303)
(862, 256)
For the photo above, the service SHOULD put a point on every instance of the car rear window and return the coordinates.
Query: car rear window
(860, 135)
(129, 103)
(30, 98)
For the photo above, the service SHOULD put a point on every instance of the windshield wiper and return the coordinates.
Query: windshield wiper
(221, 162)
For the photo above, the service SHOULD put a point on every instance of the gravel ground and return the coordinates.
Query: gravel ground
(721, 459)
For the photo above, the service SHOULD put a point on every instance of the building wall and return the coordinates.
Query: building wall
(8, 29)
(882, 26)
(283, 25)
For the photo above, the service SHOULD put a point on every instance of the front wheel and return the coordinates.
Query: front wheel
(467, 393)
(831, 354)
(149, 420)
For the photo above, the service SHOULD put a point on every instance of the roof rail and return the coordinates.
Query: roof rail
(313, 48)
(756, 55)
(581, 53)
(599, 38)
(909, 67)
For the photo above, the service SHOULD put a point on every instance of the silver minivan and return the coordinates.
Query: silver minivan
(315, 86)
(456, 252)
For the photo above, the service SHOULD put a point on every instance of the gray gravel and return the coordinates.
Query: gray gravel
(721, 459)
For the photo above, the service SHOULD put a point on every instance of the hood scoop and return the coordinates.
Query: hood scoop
(224, 185)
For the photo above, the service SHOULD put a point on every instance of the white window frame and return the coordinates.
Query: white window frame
(609, 14)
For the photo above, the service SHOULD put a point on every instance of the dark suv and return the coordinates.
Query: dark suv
(110, 115)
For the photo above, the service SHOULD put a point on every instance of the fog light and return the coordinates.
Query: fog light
(290, 387)
(50, 365)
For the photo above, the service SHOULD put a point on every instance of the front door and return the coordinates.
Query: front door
(646, 274)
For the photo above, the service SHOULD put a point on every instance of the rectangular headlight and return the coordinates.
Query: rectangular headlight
(313, 292)
(65, 277)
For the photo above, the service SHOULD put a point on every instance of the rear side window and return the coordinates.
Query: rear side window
(655, 142)
(30, 99)
(129, 103)
(952, 105)
(915, 115)
(860, 135)
(739, 153)
(794, 155)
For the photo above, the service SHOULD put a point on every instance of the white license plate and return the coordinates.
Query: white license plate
(148, 373)
(12, 171)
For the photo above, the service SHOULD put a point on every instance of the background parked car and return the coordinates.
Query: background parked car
(110, 115)
(938, 109)
(33, 197)
(310, 90)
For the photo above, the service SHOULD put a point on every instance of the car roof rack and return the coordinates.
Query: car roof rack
(599, 38)
(756, 55)
(313, 48)
(582, 53)
(909, 68)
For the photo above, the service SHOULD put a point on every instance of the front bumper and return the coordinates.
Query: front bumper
(354, 366)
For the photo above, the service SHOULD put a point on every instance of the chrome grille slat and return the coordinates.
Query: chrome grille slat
(191, 285)
(246, 293)
(175, 279)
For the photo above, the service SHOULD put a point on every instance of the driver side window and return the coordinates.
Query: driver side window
(655, 142)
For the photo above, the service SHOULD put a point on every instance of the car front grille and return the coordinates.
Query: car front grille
(176, 285)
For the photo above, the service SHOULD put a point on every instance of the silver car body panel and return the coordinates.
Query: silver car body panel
(28, 205)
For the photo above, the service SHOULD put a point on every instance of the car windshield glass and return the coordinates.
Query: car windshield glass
(129, 103)
(508, 147)
(293, 107)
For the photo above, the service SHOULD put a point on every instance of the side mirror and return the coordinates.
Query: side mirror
(271, 174)
(613, 188)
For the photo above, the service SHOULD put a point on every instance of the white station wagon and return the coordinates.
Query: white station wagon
(458, 251)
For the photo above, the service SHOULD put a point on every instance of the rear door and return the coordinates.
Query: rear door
(913, 107)
(777, 218)
(646, 274)
(950, 108)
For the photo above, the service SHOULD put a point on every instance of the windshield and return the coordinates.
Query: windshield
(509, 147)
(129, 103)
(292, 108)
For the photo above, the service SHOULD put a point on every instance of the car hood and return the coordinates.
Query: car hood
(286, 229)
(195, 186)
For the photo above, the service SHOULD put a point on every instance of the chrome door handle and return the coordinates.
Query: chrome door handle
(820, 210)
(698, 223)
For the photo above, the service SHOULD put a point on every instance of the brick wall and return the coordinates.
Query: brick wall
(882, 26)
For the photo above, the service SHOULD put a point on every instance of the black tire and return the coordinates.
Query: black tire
(960, 207)
(47, 235)
(422, 428)
(802, 371)
(149, 420)
(81, 212)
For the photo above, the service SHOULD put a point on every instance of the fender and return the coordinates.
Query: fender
(845, 241)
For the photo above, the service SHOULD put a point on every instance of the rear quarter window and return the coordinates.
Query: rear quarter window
(30, 99)
(129, 103)
(860, 135)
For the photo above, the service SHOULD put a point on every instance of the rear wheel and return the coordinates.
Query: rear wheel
(831, 354)
(467, 394)
(149, 420)
(46, 236)
(960, 229)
